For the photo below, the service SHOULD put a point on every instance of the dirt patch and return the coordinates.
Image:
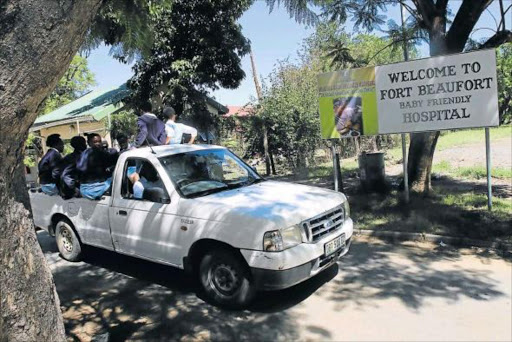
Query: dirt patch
(474, 154)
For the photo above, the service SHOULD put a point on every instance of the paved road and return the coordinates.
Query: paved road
(379, 292)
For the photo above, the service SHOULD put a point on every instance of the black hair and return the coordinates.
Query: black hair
(91, 136)
(53, 140)
(121, 137)
(146, 107)
(168, 112)
(78, 142)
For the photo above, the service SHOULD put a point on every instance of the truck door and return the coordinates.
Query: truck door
(143, 227)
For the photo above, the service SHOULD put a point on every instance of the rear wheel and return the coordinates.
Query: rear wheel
(226, 279)
(67, 241)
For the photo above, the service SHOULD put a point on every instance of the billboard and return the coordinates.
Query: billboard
(445, 92)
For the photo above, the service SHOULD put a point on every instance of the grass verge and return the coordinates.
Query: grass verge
(450, 213)
(473, 172)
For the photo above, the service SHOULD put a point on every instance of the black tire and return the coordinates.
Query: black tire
(225, 279)
(68, 243)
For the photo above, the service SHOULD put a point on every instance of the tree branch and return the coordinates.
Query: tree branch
(498, 39)
(502, 21)
(391, 44)
(441, 5)
(426, 9)
(464, 22)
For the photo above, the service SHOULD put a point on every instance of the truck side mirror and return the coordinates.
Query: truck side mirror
(157, 195)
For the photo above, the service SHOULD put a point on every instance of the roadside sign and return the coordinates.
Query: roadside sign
(438, 93)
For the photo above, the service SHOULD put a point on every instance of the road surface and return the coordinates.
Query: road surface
(379, 292)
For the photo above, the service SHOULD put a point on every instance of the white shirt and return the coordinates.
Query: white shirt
(176, 130)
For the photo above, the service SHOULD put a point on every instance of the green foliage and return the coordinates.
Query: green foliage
(123, 122)
(29, 159)
(289, 111)
(77, 80)
(289, 107)
(197, 46)
(336, 49)
(126, 26)
(504, 70)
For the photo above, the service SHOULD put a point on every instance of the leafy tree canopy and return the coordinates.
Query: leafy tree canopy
(126, 26)
(77, 80)
(124, 123)
(335, 49)
(427, 20)
(197, 46)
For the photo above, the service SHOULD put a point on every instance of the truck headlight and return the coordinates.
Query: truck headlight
(346, 206)
(272, 241)
(292, 236)
(278, 240)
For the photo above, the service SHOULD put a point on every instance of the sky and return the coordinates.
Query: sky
(274, 37)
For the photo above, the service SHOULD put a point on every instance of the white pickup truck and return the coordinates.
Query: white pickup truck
(204, 210)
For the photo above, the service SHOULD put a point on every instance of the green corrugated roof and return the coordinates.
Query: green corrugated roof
(96, 104)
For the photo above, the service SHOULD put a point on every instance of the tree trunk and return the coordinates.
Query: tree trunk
(38, 40)
(273, 166)
(265, 149)
(421, 154)
(423, 145)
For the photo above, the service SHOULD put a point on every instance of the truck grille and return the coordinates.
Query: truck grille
(326, 223)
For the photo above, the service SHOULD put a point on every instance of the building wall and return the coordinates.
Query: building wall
(69, 130)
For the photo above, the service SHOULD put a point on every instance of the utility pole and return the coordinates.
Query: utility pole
(260, 97)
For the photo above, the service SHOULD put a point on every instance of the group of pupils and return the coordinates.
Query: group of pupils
(87, 171)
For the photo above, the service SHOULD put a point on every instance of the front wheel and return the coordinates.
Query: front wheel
(67, 241)
(226, 279)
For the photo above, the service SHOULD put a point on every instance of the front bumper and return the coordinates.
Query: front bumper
(266, 279)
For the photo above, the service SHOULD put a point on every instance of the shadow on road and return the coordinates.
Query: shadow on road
(133, 299)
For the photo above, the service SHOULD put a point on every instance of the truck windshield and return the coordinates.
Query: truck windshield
(203, 172)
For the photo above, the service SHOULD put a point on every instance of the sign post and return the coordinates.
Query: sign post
(488, 164)
(404, 143)
(431, 94)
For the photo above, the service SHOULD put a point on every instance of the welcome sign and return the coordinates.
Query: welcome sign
(445, 92)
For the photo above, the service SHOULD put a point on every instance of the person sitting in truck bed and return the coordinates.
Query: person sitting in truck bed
(48, 175)
(69, 182)
(96, 166)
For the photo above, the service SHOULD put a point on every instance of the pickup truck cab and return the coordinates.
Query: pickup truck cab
(204, 210)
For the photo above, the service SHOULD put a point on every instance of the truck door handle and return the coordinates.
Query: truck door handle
(122, 213)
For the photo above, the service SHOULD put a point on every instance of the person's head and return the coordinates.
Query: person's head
(145, 107)
(78, 143)
(122, 140)
(169, 113)
(94, 140)
(56, 142)
(104, 144)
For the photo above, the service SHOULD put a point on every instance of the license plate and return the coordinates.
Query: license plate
(334, 245)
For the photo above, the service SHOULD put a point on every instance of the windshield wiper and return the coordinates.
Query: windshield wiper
(208, 192)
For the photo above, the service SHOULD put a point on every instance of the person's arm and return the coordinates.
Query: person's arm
(138, 189)
(67, 176)
(55, 160)
(190, 130)
(58, 169)
(142, 133)
(81, 164)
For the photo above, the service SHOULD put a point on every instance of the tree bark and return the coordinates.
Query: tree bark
(423, 145)
(38, 40)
